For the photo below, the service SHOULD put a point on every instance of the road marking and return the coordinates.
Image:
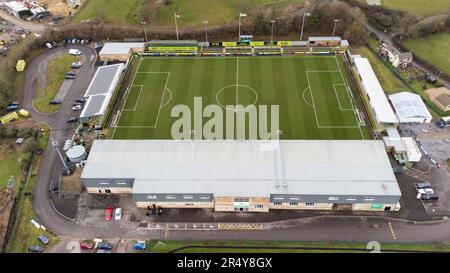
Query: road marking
(392, 231)
(166, 231)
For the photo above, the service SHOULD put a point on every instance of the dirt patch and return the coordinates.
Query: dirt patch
(6, 205)
(58, 7)
(72, 184)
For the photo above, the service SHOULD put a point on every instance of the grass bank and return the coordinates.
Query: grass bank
(156, 246)
(56, 71)
(434, 48)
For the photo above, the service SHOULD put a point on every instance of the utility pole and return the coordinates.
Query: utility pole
(303, 23)
(271, 36)
(206, 30)
(176, 15)
(334, 28)
(240, 16)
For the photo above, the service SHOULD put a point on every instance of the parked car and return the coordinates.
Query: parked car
(55, 101)
(118, 214)
(423, 185)
(104, 246)
(108, 213)
(76, 65)
(140, 245)
(425, 191)
(48, 45)
(54, 44)
(431, 196)
(72, 119)
(86, 246)
(37, 249)
(98, 45)
(13, 103)
(11, 107)
(70, 76)
(43, 239)
(82, 101)
(77, 107)
(75, 52)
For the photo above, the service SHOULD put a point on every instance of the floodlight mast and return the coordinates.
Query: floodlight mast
(303, 23)
(334, 28)
(271, 36)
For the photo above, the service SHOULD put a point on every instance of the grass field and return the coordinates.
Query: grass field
(433, 48)
(56, 71)
(314, 99)
(418, 7)
(193, 12)
(10, 164)
(111, 11)
(167, 246)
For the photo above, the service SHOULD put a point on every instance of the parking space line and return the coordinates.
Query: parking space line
(392, 231)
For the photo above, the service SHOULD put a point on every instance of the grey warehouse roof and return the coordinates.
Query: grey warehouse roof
(119, 48)
(252, 168)
(100, 90)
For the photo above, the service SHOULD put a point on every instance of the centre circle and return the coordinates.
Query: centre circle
(230, 96)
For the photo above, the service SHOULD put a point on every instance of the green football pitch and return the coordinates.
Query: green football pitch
(314, 98)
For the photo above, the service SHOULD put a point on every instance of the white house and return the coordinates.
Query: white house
(397, 58)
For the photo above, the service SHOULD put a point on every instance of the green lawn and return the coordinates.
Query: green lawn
(419, 7)
(167, 246)
(390, 83)
(193, 12)
(112, 11)
(311, 93)
(56, 71)
(24, 233)
(433, 48)
(9, 164)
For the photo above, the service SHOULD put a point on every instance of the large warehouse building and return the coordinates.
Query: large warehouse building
(247, 175)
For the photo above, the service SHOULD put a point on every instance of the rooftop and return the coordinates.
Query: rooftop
(383, 110)
(409, 105)
(119, 48)
(246, 168)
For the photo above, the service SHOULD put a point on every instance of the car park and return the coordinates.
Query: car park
(43, 239)
(72, 120)
(118, 214)
(108, 213)
(55, 102)
(86, 245)
(75, 52)
(104, 246)
(37, 249)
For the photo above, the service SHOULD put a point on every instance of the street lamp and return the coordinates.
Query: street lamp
(271, 36)
(303, 23)
(241, 15)
(206, 30)
(335, 23)
(145, 29)
(176, 15)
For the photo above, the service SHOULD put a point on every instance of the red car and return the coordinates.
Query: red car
(108, 213)
(87, 246)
